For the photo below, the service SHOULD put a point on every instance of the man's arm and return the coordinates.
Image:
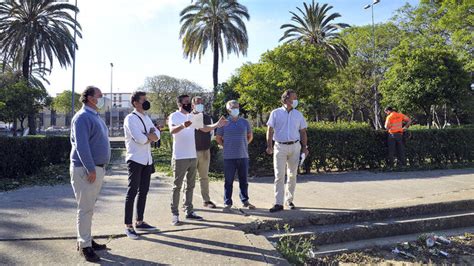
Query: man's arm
(408, 122)
(208, 128)
(269, 140)
(304, 141)
(81, 135)
(220, 136)
(132, 125)
(174, 129)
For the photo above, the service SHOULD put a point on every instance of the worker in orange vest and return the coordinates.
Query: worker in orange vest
(396, 124)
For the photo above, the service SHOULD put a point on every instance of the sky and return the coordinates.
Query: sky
(141, 39)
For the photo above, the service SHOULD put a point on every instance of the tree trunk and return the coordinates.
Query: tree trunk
(14, 127)
(215, 68)
(26, 74)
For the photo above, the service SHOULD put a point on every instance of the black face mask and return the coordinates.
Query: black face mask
(187, 107)
(146, 105)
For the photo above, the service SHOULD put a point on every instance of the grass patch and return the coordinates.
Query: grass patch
(46, 176)
(295, 249)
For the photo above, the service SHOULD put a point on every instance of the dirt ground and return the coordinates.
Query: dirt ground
(460, 252)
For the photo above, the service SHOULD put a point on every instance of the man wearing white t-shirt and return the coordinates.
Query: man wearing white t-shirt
(184, 162)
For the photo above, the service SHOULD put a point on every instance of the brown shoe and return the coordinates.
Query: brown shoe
(249, 206)
(209, 204)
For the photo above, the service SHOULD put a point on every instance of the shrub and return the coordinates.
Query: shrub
(355, 146)
(26, 155)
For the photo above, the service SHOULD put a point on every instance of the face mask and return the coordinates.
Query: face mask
(146, 105)
(199, 108)
(295, 103)
(100, 103)
(187, 107)
(234, 112)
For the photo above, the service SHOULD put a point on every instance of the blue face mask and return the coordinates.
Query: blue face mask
(295, 103)
(100, 103)
(199, 108)
(234, 112)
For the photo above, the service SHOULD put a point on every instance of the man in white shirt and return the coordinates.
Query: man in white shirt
(140, 132)
(287, 128)
(184, 162)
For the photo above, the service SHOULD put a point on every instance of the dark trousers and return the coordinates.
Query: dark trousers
(138, 183)
(396, 146)
(231, 166)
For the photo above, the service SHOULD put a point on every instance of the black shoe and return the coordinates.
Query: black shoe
(276, 208)
(89, 254)
(291, 205)
(97, 246)
(193, 216)
(209, 204)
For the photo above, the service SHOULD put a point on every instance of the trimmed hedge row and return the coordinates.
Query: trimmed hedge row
(21, 156)
(342, 148)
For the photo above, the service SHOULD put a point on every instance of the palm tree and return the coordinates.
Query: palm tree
(218, 24)
(314, 26)
(35, 32)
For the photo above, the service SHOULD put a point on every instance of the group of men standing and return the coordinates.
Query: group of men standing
(90, 153)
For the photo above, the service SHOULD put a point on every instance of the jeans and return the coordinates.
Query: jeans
(396, 145)
(138, 183)
(231, 166)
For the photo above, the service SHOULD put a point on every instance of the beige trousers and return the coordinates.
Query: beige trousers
(86, 195)
(285, 159)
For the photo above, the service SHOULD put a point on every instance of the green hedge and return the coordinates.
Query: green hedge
(342, 147)
(26, 155)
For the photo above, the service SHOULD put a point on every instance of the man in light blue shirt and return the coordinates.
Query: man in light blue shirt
(89, 155)
(287, 128)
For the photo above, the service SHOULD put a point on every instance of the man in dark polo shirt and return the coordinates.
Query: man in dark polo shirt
(203, 152)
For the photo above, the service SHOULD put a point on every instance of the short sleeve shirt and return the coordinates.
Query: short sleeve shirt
(286, 125)
(235, 138)
(184, 144)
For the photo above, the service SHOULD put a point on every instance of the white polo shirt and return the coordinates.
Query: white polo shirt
(286, 125)
(184, 142)
(138, 150)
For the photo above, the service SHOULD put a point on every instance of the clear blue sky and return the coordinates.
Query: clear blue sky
(141, 38)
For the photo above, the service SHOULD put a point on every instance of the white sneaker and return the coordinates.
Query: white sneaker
(175, 220)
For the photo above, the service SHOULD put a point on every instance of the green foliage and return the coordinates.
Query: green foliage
(302, 68)
(20, 100)
(422, 77)
(295, 249)
(350, 146)
(217, 24)
(26, 155)
(164, 90)
(62, 102)
(315, 26)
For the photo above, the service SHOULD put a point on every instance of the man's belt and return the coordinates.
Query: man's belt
(288, 142)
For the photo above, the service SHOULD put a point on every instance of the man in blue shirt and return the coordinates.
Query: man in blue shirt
(89, 154)
(235, 137)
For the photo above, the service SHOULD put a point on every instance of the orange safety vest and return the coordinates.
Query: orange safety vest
(394, 122)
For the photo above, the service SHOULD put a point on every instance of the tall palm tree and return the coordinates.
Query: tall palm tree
(34, 33)
(314, 26)
(218, 24)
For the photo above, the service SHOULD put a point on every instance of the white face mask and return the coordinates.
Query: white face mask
(199, 108)
(295, 103)
(100, 103)
(234, 112)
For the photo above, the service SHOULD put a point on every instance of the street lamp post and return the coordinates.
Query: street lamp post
(73, 66)
(111, 104)
(376, 93)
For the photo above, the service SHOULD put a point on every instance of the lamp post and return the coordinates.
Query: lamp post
(376, 93)
(111, 104)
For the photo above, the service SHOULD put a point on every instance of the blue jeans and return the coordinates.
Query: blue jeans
(241, 166)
